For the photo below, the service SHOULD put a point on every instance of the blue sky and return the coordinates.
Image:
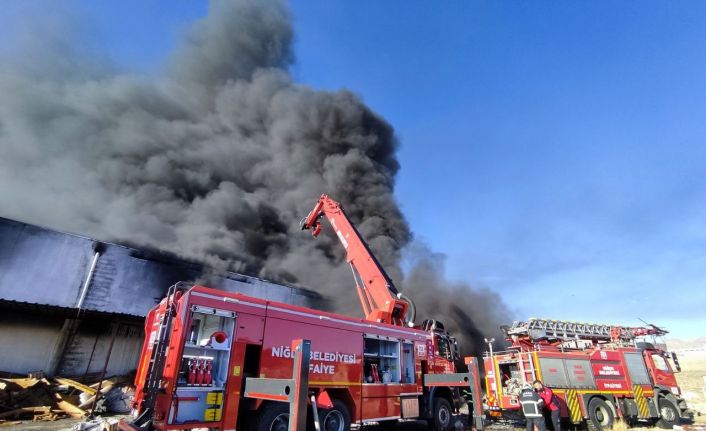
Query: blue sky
(555, 152)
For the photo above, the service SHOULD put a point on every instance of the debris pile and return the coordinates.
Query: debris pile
(38, 398)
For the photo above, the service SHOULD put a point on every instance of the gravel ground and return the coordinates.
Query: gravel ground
(68, 423)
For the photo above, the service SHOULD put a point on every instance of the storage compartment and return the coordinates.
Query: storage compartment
(204, 366)
(554, 372)
(196, 405)
(382, 359)
(407, 363)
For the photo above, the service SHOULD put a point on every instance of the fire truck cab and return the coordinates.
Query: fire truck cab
(599, 373)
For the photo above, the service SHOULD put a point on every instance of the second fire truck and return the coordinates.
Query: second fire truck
(599, 372)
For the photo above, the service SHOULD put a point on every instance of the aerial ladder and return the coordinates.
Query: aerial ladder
(380, 300)
(536, 330)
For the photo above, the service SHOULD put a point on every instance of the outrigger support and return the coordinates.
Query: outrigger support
(470, 382)
(292, 391)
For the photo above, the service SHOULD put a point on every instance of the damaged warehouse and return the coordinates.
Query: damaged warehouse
(87, 299)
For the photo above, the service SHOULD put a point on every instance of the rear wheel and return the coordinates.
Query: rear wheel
(668, 414)
(336, 418)
(273, 417)
(600, 415)
(442, 420)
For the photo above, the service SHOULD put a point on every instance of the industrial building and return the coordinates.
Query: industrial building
(66, 299)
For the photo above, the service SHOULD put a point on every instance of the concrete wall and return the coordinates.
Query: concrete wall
(27, 345)
(34, 341)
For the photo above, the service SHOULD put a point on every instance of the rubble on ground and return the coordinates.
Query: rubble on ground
(40, 398)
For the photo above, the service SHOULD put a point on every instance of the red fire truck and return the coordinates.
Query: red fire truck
(202, 345)
(599, 372)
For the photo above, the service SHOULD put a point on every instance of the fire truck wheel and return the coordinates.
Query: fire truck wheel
(443, 418)
(600, 415)
(335, 419)
(669, 416)
(273, 417)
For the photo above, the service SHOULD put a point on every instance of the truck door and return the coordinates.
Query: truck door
(659, 368)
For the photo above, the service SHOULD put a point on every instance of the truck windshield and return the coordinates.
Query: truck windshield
(660, 363)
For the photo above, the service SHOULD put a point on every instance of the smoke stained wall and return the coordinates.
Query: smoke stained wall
(216, 159)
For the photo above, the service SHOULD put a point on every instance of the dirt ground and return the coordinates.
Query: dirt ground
(690, 379)
(67, 424)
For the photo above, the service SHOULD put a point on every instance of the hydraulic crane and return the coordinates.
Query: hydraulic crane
(380, 300)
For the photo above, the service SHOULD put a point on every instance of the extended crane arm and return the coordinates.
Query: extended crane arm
(380, 300)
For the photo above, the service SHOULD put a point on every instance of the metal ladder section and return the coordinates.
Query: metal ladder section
(544, 328)
(155, 372)
(524, 370)
(469, 381)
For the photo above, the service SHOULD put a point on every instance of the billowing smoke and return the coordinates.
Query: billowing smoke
(215, 159)
(472, 314)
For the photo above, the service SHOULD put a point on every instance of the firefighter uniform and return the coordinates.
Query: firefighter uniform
(532, 405)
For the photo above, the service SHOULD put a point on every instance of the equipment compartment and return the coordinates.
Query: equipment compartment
(204, 366)
(382, 358)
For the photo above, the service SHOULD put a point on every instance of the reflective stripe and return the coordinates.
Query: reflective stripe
(226, 299)
(572, 402)
(642, 408)
(387, 418)
(531, 409)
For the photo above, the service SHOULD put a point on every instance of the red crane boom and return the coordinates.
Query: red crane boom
(380, 300)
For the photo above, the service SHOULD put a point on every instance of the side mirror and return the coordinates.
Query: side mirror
(676, 362)
(457, 354)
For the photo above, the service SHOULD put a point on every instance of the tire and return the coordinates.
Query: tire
(600, 415)
(443, 416)
(668, 414)
(273, 417)
(337, 418)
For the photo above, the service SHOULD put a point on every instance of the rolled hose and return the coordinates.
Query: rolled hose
(411, 309)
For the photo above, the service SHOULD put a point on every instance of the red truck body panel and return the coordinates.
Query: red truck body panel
(613, 373)
(338, 358)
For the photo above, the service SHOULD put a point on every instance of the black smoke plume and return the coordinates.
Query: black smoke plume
(215, 159)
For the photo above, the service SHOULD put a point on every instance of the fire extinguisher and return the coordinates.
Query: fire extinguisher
(191, 380)
(207, 373)
(199, 372)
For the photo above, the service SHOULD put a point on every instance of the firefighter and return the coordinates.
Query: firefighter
(551, 403)
(532, 408)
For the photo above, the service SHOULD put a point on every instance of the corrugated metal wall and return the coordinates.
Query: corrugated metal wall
(40, 267)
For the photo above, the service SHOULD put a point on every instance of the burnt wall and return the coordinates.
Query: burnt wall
(43, 266)
(58, 311)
